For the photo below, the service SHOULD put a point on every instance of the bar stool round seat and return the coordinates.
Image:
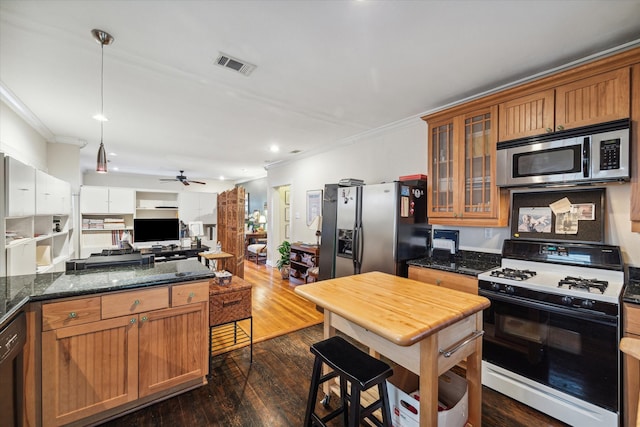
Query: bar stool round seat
(361, 370)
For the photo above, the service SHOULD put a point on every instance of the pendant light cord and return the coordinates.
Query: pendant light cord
(101, 91)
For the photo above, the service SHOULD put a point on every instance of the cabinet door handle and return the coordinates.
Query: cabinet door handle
(132, 321)
(560, 127)
(73, 315)
(549, 130)
(144, 319)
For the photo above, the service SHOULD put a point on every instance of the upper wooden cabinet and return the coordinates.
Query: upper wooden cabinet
(596, 99)
(462, 153)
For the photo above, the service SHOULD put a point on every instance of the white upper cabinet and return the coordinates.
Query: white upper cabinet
(103, 200)
(53, 195)
(198, 207)
(20, 188)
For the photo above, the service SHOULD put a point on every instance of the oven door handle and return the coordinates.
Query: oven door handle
(578, 314)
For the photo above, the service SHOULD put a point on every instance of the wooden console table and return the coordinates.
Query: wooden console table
(425, 328)
(215, 257)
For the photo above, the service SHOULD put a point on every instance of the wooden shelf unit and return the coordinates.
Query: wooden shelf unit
(303, 257)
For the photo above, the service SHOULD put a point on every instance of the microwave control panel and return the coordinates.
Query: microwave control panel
(610, 154)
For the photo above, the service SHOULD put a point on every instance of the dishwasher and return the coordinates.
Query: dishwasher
(12, 340)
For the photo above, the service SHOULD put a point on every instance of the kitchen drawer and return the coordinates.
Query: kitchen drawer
(127, 303)
(189, 293)
(70, 313)
(455, 281)
(229, 306)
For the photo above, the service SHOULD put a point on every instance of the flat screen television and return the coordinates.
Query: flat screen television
(156, 229)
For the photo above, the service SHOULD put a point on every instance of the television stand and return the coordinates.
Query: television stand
(174, 254)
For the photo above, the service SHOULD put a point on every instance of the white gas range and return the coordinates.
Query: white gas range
(552, 331)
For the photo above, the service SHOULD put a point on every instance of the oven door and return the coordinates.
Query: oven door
(569, 350)
(544, 162)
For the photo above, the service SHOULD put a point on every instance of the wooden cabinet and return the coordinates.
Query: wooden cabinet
(461, 189)
(631, 366)
(455, 281)
(635, 142)
(595, 99)
(107, 353)
(303, 257)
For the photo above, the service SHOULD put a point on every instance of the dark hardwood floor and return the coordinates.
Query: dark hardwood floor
(273, 390)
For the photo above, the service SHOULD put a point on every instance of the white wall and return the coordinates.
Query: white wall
(380, 156)
(21, 141)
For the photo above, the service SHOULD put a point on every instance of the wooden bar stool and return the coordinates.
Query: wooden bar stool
(361, 370)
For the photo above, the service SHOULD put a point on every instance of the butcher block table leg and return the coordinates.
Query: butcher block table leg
(429, 381)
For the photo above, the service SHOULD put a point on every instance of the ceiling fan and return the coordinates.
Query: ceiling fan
(183, 179)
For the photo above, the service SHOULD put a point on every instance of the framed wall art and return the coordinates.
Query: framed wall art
(314, 205)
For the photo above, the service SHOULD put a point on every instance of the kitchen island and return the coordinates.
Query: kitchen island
(106, 341)
(427, 329)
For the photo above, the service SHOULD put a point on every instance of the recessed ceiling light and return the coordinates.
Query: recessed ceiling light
(101, 118)
(115, 168)
(274, 148)
(113, 154)
(221, 177)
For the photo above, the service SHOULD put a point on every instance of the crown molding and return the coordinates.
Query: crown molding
(23, 111)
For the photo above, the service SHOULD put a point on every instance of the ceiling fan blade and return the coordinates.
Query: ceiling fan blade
(168, 179)
(197, 182)
(185, 182)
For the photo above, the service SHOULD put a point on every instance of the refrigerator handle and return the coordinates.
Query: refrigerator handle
(359, 249)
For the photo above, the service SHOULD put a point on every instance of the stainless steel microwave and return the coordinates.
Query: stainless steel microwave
(590, 154)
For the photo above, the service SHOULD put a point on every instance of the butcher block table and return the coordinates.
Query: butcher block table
(425, 328)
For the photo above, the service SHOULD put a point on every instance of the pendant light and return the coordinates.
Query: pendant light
(103, 38)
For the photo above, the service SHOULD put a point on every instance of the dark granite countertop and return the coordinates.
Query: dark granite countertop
(470, 263)
(16, 291)
(632, 290)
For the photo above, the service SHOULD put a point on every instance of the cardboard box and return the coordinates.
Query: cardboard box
(404, 399)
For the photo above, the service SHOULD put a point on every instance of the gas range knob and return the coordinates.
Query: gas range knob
(509, 289)
(567, 300)
(587, 304)
(495, 286)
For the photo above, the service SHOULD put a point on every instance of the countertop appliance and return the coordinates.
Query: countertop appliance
(552, 331)
(12, 340)
(591, 154)
(379, 227)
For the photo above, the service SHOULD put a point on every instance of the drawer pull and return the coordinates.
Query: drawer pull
(132, 321)
(438, 282)
(136, 302)
(73, 315)
(192, 294)
(473, 336)
(232, 302)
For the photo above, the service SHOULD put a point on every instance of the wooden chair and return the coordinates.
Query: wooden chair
(631, 347)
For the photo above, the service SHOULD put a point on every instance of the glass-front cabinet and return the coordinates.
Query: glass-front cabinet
(461, 185)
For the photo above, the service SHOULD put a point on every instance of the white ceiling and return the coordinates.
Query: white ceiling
(326, 70)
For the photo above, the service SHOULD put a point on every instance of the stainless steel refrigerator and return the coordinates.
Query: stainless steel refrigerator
(379, 227)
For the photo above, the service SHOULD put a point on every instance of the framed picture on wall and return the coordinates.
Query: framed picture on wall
(287, 213)
(314, 205)
(286, 231)
(286, 197)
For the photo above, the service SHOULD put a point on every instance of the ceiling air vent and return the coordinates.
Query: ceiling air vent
(235, 64)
